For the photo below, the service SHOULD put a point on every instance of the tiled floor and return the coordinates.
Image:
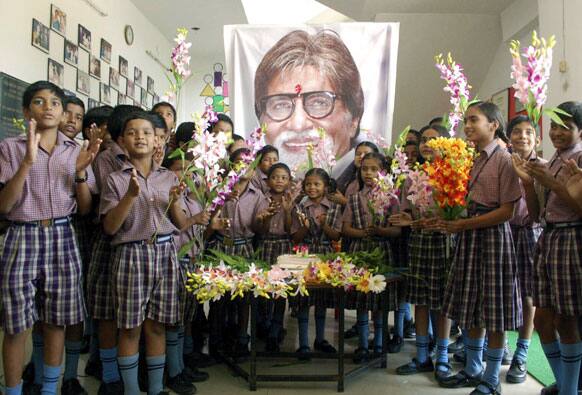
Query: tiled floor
(375, 381)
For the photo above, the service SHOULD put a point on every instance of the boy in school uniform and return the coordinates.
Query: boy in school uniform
(99, 284)
(45, 178)
(269, 156)
(558, 259)
(145, 271)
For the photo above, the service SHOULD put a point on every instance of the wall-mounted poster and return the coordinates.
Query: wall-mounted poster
(56, 73)
(58, 20)
(105, 52)
(123, 66)
(94, 67)
(84, 38)
(333, 68)
(40, 36)
(144, 97)
(71, 55)
(83, 83)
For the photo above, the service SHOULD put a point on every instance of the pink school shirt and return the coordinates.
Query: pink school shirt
(557, 210)
(277, 225)
(110, 160)
(191, 208)
(242, 213)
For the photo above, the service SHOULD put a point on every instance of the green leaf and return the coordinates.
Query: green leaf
(186, 248)
(554, 117)
(177, 153)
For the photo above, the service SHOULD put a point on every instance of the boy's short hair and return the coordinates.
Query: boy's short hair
(166, 104)
(184, 133)
(97, 115)
(223, 118)
(574, 108)
(137, 115)
(237, 137)
(37, 86)
(117, 119)
(158, 121)
(73, 100)
(267, 149)
(241, 151)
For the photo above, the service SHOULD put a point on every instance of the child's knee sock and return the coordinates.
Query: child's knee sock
(155, 374)
(442, 352)
(378, 330)
(16, 390)
(363, 329)
(320, 323)
(172, 352)
(474, 351)
(109, 362)
(491, 376)
(72, 352)
(50, 379)
(303, 323)
(554, 357)
(181, 347)
(571, 357)
(521, 349)
(38, 357)
(128, 369)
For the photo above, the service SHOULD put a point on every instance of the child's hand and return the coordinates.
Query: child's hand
(176, 193)
(520, 169)
(321, 219)
(88, 153)
(574, 179)
(234, 195)
(370, 231)
(133, 189)
(287, 202)
(540, 173)
(269, 212)
(219, 223)
(401, 219)
(425, 223)
(455, 226)
(202, 218)
(32, 143)
(303, 219)
(338, 197)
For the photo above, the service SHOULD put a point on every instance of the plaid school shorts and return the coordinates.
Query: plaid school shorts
(428, 259)
(40, 276)
(558, 271)
(482, 289)
(524, 240)
(188, 302)
(100, 279)
(146, 283)
(272, 247)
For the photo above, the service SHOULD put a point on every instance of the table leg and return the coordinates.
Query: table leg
(341, 308)
(385, 333)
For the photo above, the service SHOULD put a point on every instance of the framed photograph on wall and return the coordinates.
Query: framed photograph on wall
(105, 51)
(92, 103)
(84, 38)
(71, 53)
(156, 99)
(150, 84)
(56, 73)
(58, 20)
(144, 97)
(501, 99)
(121, 99)
(94, 67)
(137, 76)
(104, 93)
(123, 66)
(40, 36)
(130, 89)
(83, 83)
(114, 78)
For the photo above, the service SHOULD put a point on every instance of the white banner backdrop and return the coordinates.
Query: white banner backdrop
(344, 73)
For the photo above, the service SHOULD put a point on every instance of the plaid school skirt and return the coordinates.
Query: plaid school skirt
(558, 271)
(188, 302)
(100, 279)
(524, 240)
(146, 284)
(40, 276)
(272, 247)
(482, 289)
(429, 259)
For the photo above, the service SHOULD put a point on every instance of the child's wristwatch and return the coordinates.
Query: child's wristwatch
(80, 180)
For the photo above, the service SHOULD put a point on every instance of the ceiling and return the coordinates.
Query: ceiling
(427, 28)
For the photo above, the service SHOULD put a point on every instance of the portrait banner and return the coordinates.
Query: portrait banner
(298, 79)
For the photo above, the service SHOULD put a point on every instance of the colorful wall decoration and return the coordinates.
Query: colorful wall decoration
(215, 91)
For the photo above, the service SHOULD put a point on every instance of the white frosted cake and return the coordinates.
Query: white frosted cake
(295, 263)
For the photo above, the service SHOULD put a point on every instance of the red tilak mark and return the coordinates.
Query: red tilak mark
(298, 89)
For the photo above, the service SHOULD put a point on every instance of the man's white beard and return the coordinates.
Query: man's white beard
(296, 159)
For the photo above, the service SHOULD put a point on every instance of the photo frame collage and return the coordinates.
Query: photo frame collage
(116, 85)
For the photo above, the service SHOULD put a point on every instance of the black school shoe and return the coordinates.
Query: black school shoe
(198, 360)
(517, 372)
(324, 346)
(415, 367)
(28, 373)
(32, 389)
(272, 345)
(395, 344)
(442, 374)
(303, 353)
(180, 385)
(94, 368)
(550, 390)
(456, 346)
(490, 389)
(351, 333)
(409, 329)
(361, 355)
(72, 387)
(115, 388)
(194, 375)
(461, 380)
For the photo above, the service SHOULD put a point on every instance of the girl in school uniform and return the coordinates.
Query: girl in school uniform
(482, 292)
(320, 224)
(429, 256)
(525, 231)
(276, 242)
(557, 293)
(367, 235)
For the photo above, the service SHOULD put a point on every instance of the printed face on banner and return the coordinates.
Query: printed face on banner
(300, 79)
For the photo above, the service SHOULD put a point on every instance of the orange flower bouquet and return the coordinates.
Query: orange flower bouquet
(448, 174)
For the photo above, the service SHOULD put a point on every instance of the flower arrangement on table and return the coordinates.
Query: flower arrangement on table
(448, 175)
(221, 275)
(531, 78)
(458, 88)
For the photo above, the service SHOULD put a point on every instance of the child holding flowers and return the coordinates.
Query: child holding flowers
(557, 263)
(429, 256)
(482, 292)
(525, 231)
(367, 225)
(320, 224)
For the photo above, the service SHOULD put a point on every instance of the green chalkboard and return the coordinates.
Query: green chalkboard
(11, 90)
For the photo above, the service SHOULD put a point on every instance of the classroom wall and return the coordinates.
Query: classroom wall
(20, 59)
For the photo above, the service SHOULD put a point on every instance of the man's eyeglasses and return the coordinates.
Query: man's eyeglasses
(317, 104)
